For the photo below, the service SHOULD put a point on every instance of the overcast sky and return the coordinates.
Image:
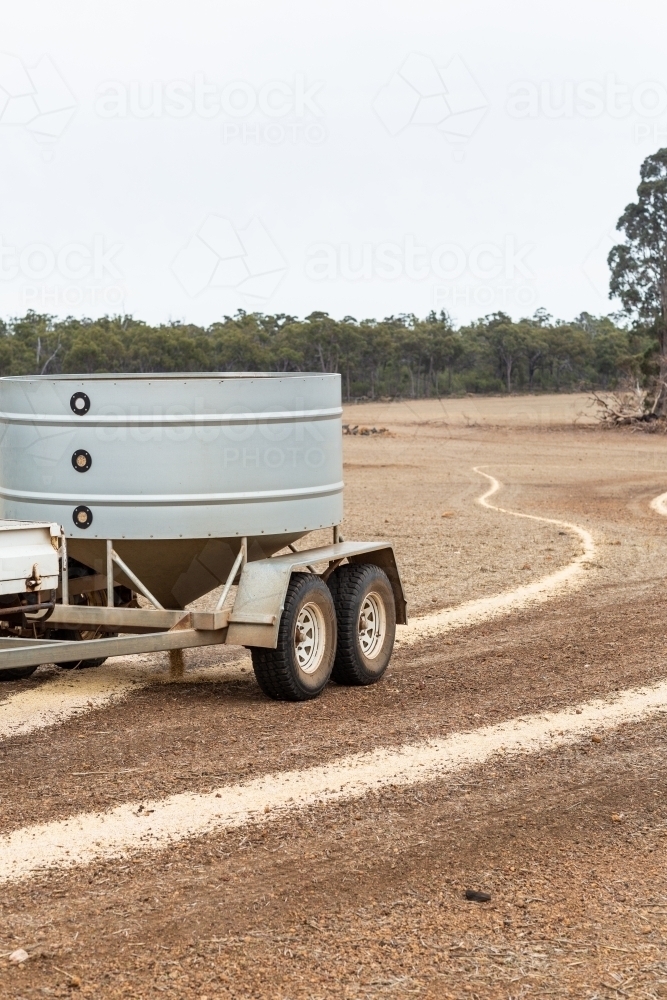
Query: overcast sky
(179, 160)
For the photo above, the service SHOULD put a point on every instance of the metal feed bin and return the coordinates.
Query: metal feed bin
(167, 486)
(176, 469)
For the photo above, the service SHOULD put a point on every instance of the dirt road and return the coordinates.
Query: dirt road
(519, 754)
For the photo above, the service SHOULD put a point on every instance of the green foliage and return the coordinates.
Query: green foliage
(398, 356)
(639, 266)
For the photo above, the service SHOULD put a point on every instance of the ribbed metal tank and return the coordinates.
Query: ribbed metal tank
(175, 469)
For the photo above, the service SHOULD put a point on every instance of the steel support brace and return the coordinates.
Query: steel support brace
(109, 573)
(64, 571)
(239, 563)
(132, 576)
(32, 652)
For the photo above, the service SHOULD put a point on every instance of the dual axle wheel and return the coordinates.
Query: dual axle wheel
(343, 629)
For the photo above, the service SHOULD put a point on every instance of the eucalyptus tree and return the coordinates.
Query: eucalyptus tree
(639, 264)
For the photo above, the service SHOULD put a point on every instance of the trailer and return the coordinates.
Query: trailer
(126, 498)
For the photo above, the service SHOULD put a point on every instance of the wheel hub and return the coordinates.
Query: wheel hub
(309, 637)
(372, 624)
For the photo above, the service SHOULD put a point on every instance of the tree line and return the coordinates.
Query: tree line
(401, 356)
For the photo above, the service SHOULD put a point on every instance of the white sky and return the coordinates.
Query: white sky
(328, 194)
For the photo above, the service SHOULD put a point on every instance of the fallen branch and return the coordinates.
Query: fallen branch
(364, 431)
(630, 406)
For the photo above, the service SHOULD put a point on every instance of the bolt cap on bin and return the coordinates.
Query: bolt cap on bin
(81, 460)
(82, 516)
(80, 403)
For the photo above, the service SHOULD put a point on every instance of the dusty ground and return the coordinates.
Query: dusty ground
(366, 899)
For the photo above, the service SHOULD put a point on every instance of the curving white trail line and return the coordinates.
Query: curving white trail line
(659, 504)
(88, 837)
(484, 608)
(77, 693)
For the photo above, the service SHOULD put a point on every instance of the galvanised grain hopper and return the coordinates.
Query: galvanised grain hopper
(170, 487)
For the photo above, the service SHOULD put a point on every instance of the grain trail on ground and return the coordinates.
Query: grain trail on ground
(77, 692)
(547, 587)
(150, 825)
(659, 504)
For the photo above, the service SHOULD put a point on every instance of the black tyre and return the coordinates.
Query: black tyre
(300, 666)
(16, 673)
(366, 616)
(72, 636)
(97, 598)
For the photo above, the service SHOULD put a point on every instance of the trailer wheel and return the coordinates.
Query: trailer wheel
(16, 673)
(300, 666)
(69, 635)
(96, 598)
(366, 616)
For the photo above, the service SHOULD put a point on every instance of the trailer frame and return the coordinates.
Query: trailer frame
(252, 620)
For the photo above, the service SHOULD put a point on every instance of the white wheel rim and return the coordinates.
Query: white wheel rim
(372, 625)
(309, 638)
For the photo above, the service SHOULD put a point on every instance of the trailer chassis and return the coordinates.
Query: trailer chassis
(253, 619)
